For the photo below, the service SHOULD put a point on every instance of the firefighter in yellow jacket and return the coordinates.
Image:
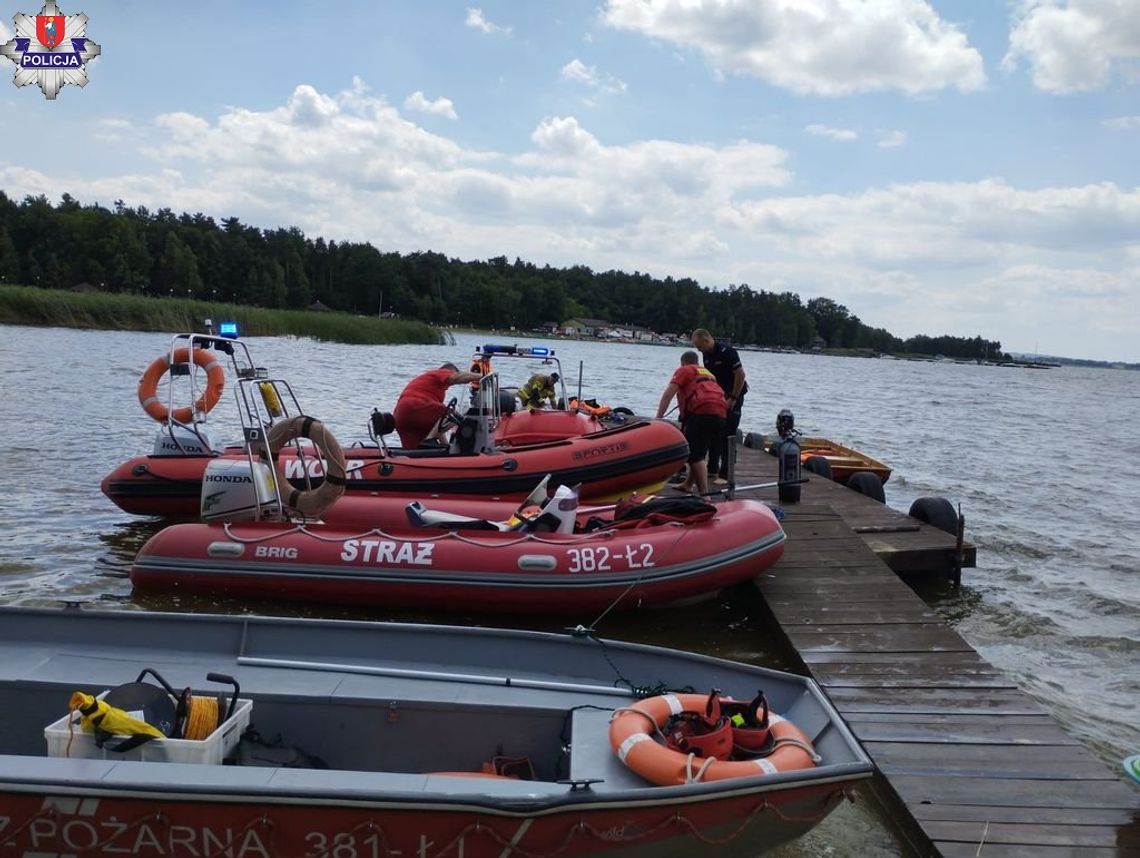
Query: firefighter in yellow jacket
(538, 388)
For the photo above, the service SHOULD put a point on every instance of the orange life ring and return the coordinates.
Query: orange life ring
(631, 739)
(215, 383)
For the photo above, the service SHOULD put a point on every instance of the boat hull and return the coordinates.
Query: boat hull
(181, 824)
(607, 464)
(469, 570)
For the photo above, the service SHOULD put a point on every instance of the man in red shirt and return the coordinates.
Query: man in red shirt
(420, 407)
(702, 407)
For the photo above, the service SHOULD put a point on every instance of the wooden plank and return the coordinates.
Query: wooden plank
(858, 614)
(900, 637)
(858, 596)
(939, 759)
(905, 669)
(991, 833)
(1005, 721)
(965, 681)
(946, 657)
(915, 789)
(933, 700)
(1000, 850)
(829, 562)
(1042, 815)
(985, 731)
(836, 569)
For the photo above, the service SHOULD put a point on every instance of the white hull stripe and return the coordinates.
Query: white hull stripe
(71, 805)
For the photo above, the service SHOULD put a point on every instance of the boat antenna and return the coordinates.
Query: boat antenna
(580, 383)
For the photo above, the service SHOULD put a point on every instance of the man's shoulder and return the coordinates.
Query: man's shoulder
(725, 350)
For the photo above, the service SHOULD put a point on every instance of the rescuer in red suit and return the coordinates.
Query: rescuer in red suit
(420, 408)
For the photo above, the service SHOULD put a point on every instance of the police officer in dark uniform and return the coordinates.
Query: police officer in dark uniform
(723, 361)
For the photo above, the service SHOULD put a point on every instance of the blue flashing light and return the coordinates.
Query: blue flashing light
(519, 351)
(228, 329)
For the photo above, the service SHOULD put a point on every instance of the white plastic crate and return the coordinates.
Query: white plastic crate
(211, 750)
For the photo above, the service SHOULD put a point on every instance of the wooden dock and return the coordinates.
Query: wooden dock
(909, 547)
(979, 768)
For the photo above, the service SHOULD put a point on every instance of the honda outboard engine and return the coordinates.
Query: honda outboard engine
(787, 451)
(238, 490)
(176, 440)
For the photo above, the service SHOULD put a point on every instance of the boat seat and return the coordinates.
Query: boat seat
(421, 516)
(592, 758)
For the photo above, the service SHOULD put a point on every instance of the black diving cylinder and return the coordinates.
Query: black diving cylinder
(788, 458)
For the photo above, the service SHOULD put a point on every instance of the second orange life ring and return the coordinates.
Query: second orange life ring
(215, 384)
(631, 737)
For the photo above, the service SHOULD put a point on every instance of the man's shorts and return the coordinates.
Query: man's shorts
(701, 431)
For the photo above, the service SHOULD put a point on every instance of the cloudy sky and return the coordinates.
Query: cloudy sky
(939, 166)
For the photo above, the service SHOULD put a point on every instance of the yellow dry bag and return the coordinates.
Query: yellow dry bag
(98, 717)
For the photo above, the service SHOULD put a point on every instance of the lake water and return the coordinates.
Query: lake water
(1046, 465)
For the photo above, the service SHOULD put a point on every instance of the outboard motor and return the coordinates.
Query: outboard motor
(174, 439)
(787, 451)
(238, 490)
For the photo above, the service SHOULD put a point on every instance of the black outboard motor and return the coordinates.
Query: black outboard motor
(787, 451)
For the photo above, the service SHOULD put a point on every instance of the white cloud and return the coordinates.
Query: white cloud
(891, 139)
(577, 71)
(1122, 123)
(112, 129)
(825, 47)
(418, 102)
(564, 136)
(949, 224)
(476, 20)
(1076, 45)
(833, 133)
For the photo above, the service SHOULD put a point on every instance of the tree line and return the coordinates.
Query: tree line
(160, 253)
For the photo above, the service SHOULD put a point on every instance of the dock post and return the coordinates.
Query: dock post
(959, 538)
(730, 451)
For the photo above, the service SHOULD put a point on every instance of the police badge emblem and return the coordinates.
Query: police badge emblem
(50, 49)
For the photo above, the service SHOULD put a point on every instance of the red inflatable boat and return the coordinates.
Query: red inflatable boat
(642, 454)
(452, 562)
